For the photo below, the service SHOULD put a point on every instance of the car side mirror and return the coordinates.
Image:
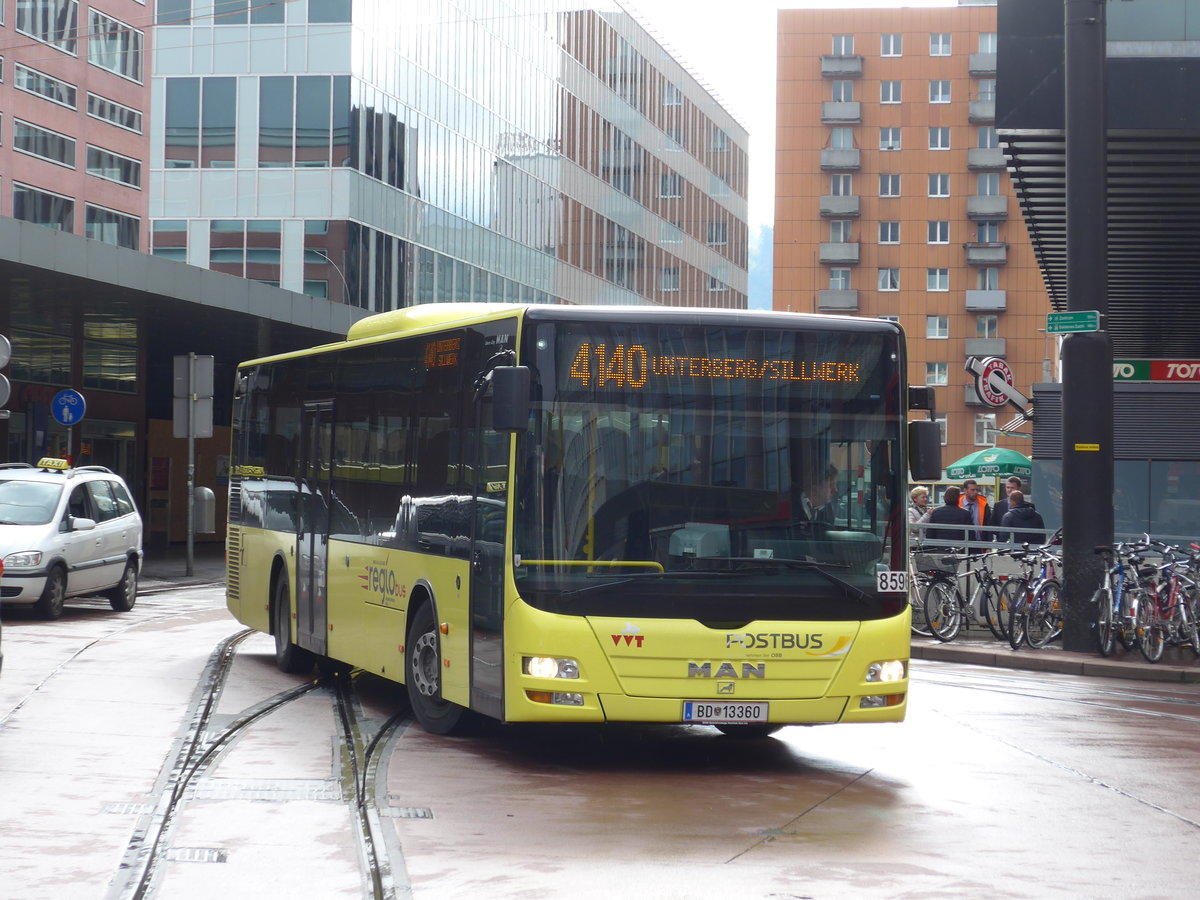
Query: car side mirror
(79, 523)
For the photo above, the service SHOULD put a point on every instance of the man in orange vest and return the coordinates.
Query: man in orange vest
(976, 504)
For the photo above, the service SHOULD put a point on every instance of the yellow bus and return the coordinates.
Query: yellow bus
(586, 514)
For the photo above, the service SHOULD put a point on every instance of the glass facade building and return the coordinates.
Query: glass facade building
(384, 154)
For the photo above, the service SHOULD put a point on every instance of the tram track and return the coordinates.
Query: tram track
(198, 749)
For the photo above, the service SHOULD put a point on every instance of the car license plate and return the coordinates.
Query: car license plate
(723, 712)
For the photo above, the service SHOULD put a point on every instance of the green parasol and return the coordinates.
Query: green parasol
(994, 462)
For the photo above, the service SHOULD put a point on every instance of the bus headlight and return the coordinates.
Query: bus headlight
(550, 667)
(887, 670)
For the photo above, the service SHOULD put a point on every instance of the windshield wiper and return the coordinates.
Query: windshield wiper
(811, 565)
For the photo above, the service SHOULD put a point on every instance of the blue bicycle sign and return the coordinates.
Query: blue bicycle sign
(68, 407)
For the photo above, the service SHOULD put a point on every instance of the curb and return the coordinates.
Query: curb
(1057, 660)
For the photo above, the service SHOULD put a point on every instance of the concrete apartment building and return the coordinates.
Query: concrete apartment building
(255, 175)
(892, 198)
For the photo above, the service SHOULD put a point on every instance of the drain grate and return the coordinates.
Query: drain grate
(265, 789)
(127, 809)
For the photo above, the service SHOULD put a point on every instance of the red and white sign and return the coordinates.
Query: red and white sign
(994, 382)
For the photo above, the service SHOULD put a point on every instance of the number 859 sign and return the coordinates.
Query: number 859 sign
(891, 582)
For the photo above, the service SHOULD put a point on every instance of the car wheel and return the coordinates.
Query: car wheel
(124, 595)
(54, 594)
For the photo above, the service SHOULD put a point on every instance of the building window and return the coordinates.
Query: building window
(987, 279)
(890, 92)
(48, 145)
(843, 45)
(35, 82)
(114, 46)
(668, 279)
(716, 285)
(672, 96)
(937, 279)
(985, 428)
(939, 138)
(718, 233)
(718, 141)
(891, 45)
(987, 89)
(939, 91)
(939, 233)
(114, 113)
(111, 227)
(114, 167)
(939, 44)
(54, 22)
(839, 279)
(670, 185)
(889, 138)
(987, 326)
(988, 184)
(841, 185)
(939, 185)
(841, 138)
(889, 232)
(889, 185)
(943, 428)
(937, 327)
(889, 280)
(843, 91)
(987, 42)
(168, 239)
(987, 232)
(889, 318)
(937, 373)
(43, 208)
(988, 139)
(839, 231)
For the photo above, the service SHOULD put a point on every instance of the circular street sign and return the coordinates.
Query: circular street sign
(68, 407)
(994, 379)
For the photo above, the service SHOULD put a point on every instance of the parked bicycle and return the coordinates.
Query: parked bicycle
(1036, 609)
(1167, 614)
(1116, 600)
(946, 607)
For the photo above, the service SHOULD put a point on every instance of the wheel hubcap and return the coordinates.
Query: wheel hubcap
(425, 665)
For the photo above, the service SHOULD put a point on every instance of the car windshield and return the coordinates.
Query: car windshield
(28, 502)
(717, 473)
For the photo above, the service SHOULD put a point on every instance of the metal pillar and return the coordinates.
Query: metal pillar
(1086, 358)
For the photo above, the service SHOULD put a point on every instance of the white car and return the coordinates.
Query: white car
(66, 532)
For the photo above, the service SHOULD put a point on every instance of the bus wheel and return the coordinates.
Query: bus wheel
(423, 665)
(289, 657)
(748, 732)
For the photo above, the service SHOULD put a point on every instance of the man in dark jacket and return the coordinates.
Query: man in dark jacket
(1012, 483)
(949, 513)
(1023, 515)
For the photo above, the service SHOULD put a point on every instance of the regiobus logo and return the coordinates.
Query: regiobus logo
(382, 581)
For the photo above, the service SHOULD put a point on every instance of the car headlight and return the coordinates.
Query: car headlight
(24, 559)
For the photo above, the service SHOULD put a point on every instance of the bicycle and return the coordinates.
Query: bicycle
(1167, 614)
(942, 601)
(1035, 603)
(1116, 598)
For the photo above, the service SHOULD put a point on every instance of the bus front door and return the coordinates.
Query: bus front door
(312, 540)
(487, 572)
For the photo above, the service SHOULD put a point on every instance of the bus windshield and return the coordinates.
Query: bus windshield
(726, 474)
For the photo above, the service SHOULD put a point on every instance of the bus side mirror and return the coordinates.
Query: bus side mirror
(510, 398)
(925, 450)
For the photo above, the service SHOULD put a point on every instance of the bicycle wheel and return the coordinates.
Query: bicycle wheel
(920, 624)
(1189, 627)
(1106, 630)
(1018, 615)
(1010, 597)
(1058, 607)
(942, 609)
(988, 596)
(1152, 638)
(1042, 624)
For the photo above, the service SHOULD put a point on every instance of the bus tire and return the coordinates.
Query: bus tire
(289, 657)
(423, 676)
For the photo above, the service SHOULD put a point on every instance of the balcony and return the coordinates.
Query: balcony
(839, 254)
(837, 301)
(970, 398)
(986, 254)
(841, 66)
(982, 64)
(986, 301)
(985, 158)
(985, 347)
(841, 160)
(841, 112)
(987, 208)
(839, 207)
(981, 112)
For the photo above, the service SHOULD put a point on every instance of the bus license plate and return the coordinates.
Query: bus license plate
(709, 712)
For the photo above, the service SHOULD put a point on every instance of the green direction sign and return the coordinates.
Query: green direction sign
(1067, 322)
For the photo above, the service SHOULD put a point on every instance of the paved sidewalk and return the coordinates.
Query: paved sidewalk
(976, 646)
(168, 567)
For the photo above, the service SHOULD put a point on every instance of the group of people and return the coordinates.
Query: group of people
(967, 508)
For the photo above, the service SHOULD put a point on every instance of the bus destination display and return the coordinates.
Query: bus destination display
(631, 366)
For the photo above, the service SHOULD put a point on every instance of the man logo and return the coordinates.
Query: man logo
(726, 670)
(725, 687)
